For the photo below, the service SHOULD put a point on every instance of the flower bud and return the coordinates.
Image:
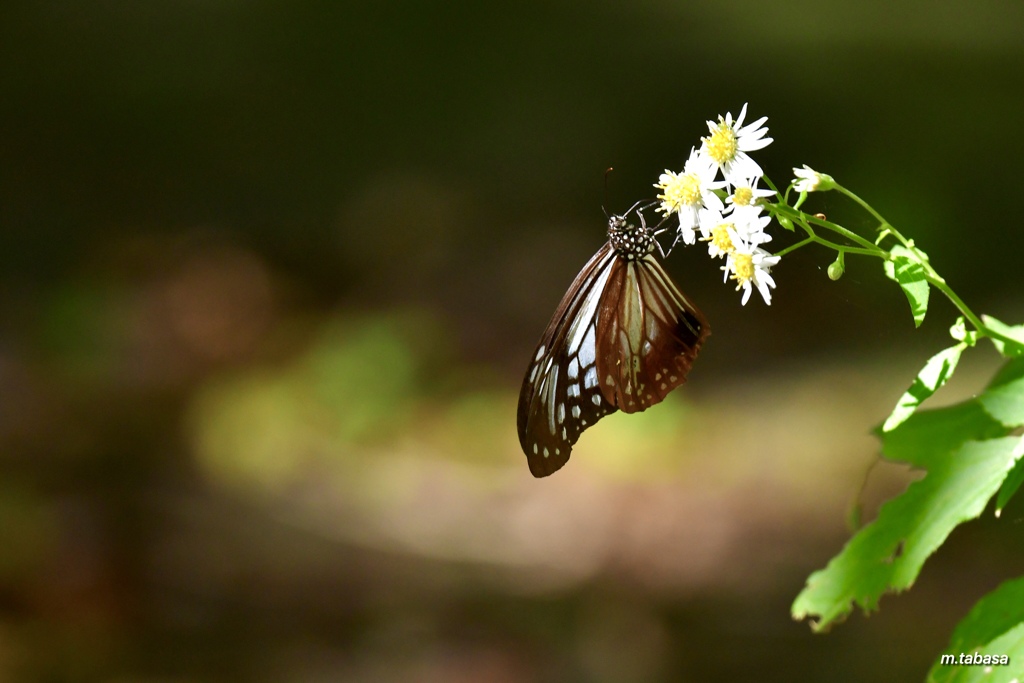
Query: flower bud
(806, 179)
(836, 268)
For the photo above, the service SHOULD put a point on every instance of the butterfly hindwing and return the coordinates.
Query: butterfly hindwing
(650, 336)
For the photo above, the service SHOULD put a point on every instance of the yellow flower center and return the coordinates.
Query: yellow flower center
(681, 191)
(721, 144)
(720, 237)
(742, 196)
(743, 268)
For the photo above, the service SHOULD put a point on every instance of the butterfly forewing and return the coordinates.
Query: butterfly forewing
(560, 395)
(623, 337)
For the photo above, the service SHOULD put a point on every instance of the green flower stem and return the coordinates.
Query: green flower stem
(870, 249)
(804, 221)
(794, 247)
(882, 223)
(848, 250)
(940, 284)
(849, 234)
(771, 186)
(984, 330)
(931, 275)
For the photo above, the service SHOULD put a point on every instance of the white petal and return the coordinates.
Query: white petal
(765, 291)
(688, 234)
(713, 201)
(751, 145)
(755, 124)
(743, 113)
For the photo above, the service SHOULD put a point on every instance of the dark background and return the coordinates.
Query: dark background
(270, 273)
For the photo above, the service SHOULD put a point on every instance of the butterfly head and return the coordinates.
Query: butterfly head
(630, 241)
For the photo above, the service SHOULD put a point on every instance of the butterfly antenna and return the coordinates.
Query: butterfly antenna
(606, 172)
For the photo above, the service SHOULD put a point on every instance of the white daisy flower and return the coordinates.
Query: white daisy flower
(729, 142)
(746, 195)
(686, 193)
(748, 265)
(723, 232)
(806, 179)
(717, 231)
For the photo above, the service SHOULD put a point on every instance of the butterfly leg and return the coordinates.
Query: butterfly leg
(658, 230)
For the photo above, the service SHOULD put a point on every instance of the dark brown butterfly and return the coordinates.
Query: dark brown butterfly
(622, 338)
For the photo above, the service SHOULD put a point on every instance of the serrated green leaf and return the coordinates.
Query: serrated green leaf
(933, 375)
(994, 626)
(1007, 348)
(1004, 396)
(1010, 486)
(932, 434)
(906, 270)
(887, 554)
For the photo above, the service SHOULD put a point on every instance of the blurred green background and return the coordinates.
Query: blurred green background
(270, 273)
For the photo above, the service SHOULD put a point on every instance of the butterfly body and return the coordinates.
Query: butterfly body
(622, 338)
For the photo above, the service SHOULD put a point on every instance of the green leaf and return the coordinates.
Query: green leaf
(933, 375)
(1007, 348)
(994, 626)
(1010, 649)
(1004, 396)
(930, 435)
(888, 554)
(906, 269)
(1010, 486)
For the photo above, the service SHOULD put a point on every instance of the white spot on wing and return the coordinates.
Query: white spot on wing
(550, 401)
(589, 308)
(576, 412)
(561, 413)
(574, 369)
(540, 353)
(590, 381)
(547, 366)
(588, 352)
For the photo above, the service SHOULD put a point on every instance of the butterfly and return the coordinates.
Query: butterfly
(622, 338)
